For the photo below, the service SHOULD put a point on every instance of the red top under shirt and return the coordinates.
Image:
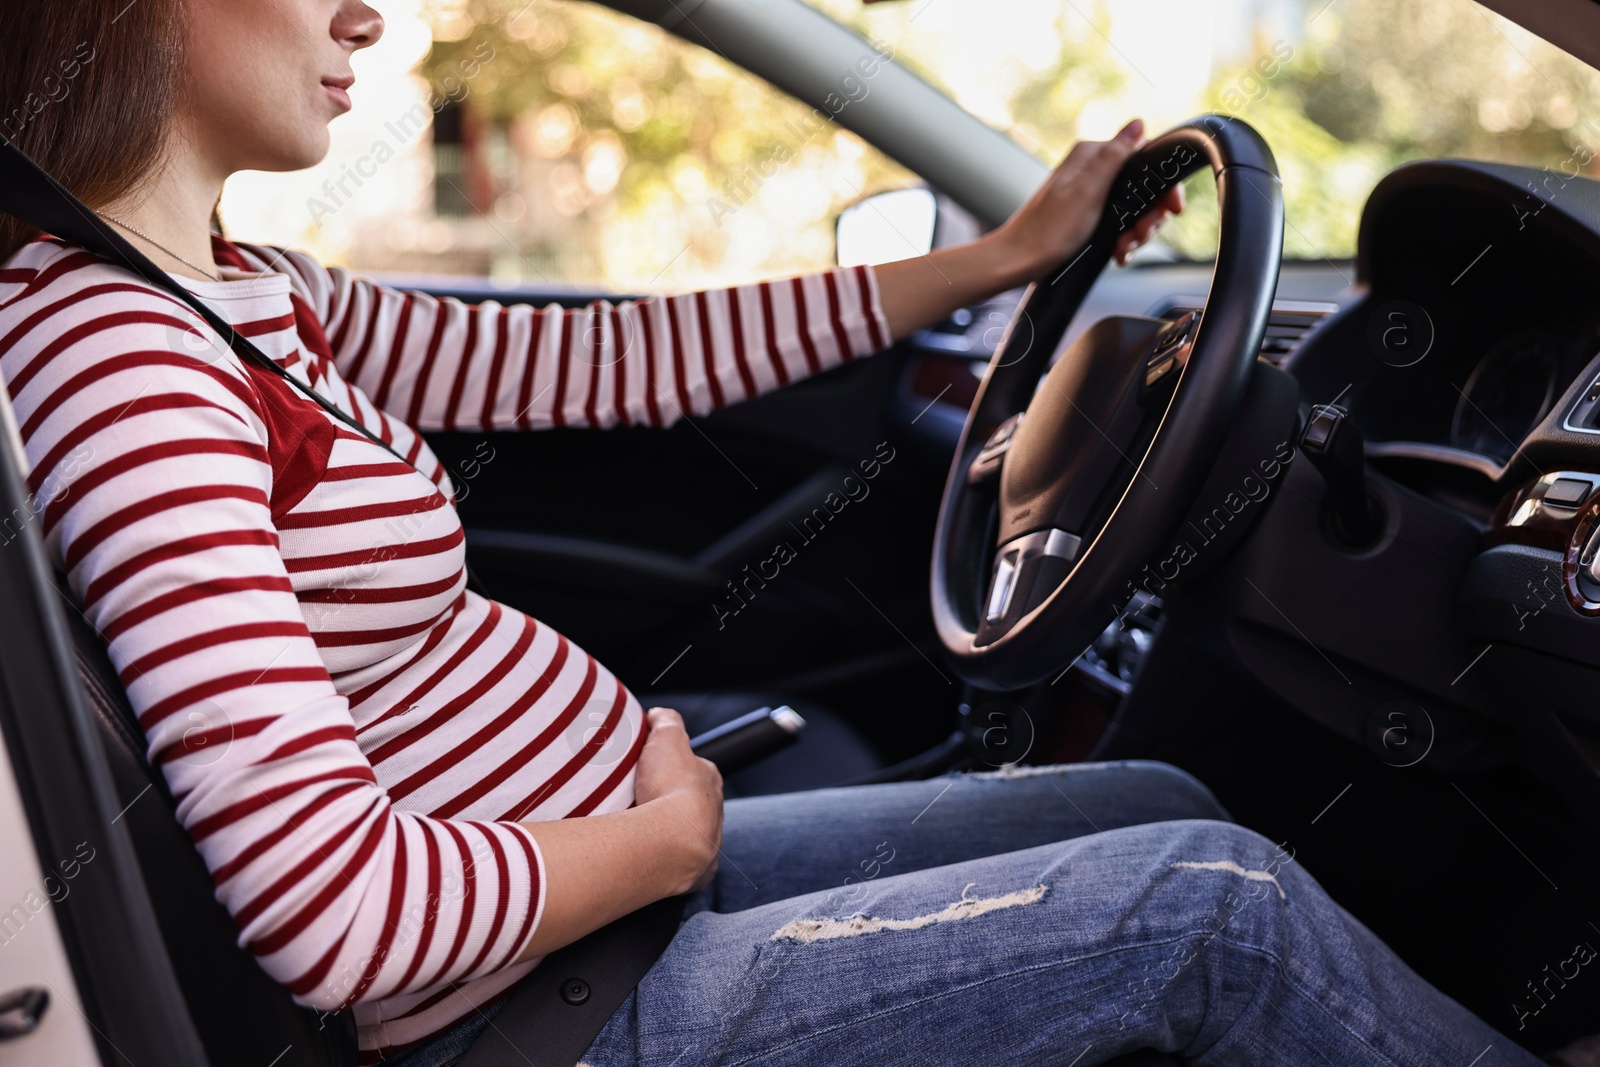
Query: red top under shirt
(349, 732)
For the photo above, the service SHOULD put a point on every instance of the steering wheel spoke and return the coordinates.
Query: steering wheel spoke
(1023, 567)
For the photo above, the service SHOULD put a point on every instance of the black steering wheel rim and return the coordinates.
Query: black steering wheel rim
(1079, 577)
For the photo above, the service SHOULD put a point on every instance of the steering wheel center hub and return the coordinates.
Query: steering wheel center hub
(1078, 431)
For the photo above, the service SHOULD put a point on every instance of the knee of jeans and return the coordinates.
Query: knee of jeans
(1187, 795)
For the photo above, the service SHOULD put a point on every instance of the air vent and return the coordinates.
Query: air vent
(1289, 322)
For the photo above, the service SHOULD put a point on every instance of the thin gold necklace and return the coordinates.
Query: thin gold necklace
(158, 244)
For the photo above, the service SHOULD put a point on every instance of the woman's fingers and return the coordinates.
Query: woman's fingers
(664, 718)
(1117, 152)
(1169, 205)
(1139, 234)
(1105, 158)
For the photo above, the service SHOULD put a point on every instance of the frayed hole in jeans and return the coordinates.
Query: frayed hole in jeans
(807, 931)
(1233, 868)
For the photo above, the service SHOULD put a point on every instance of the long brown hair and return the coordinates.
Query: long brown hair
(88, 89)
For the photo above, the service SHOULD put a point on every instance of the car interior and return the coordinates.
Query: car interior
(1365, 611)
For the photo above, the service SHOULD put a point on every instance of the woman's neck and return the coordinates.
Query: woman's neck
(172, 213)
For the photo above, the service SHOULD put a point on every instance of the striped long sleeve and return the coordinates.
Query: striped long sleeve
(444, 364)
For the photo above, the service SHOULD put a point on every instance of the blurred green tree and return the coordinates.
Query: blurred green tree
(646, 149)
(1371, 84)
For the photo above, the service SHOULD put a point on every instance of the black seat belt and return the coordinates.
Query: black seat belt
(554, 1013)
(557, 1011)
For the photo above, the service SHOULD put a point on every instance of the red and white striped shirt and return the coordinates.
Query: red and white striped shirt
(351, 735)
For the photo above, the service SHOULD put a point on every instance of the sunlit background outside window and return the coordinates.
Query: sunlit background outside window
(556, 142)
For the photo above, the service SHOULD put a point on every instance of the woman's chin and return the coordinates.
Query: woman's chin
(296, 153)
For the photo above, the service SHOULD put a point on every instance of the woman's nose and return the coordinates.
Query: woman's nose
(356, 25)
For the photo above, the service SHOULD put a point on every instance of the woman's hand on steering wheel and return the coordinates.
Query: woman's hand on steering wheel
(1045, 232)
(1062, 214)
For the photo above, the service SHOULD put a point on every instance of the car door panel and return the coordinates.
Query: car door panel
(775, 537)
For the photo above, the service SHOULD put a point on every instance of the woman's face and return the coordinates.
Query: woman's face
(265, 77)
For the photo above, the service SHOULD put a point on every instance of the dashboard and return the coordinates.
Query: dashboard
(1464, 341)
(1477, 321)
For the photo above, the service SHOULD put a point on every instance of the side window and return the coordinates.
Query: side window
(566, 144)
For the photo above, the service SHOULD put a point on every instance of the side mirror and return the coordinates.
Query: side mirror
(888, 226)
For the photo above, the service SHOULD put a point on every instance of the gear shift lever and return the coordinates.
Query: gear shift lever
(1333, 444)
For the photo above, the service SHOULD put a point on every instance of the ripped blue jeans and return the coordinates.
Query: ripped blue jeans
(1055, 915)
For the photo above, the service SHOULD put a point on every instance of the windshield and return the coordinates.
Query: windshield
(1343, 90)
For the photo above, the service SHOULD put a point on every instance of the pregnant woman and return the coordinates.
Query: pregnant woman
(398, 822)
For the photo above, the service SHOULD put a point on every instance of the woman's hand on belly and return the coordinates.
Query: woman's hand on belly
(671, 776)
(601, 867)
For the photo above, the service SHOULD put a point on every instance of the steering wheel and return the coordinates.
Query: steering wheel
(1062, 488)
